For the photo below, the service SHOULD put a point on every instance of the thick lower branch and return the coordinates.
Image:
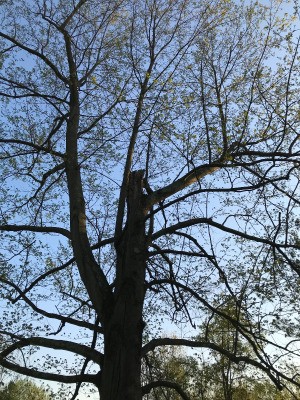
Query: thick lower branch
(65, 345)
(47, 375)
(267, 369)
(167, 384)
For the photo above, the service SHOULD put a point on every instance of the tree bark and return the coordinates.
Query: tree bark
(120, 378)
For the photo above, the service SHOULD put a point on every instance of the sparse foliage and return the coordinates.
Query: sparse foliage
(149, 170)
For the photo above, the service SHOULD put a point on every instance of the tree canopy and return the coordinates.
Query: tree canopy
(23, 390)
(149, 175)
(206, 377)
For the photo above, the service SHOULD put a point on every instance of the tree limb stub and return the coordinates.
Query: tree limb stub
(191, 177)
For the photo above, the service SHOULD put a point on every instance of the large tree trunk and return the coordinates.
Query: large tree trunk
(120, 378)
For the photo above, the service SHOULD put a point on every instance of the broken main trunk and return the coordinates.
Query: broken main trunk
(121, 372)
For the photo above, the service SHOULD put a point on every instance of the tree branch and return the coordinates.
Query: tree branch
(47, 314)
(268, 369)
(162, 383)
(47, 375)
(33, 145)
(90, 272)
(72, 347)
(37, 54)
(191, 177)
(71, 15)
(61, 267)
(31, 228)
(209, 221)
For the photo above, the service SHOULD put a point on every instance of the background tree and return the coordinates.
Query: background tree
(172, 365)
(150, 165)
(225, 375)
(204, 377)
(23, 390)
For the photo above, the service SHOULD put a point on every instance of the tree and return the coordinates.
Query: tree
(172, 365)
(209, 375)
(205, 381)
(226, 380)
(150, 166)
(23, 390)
(225, 376)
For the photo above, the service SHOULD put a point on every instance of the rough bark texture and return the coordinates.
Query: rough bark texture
(120, 378)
